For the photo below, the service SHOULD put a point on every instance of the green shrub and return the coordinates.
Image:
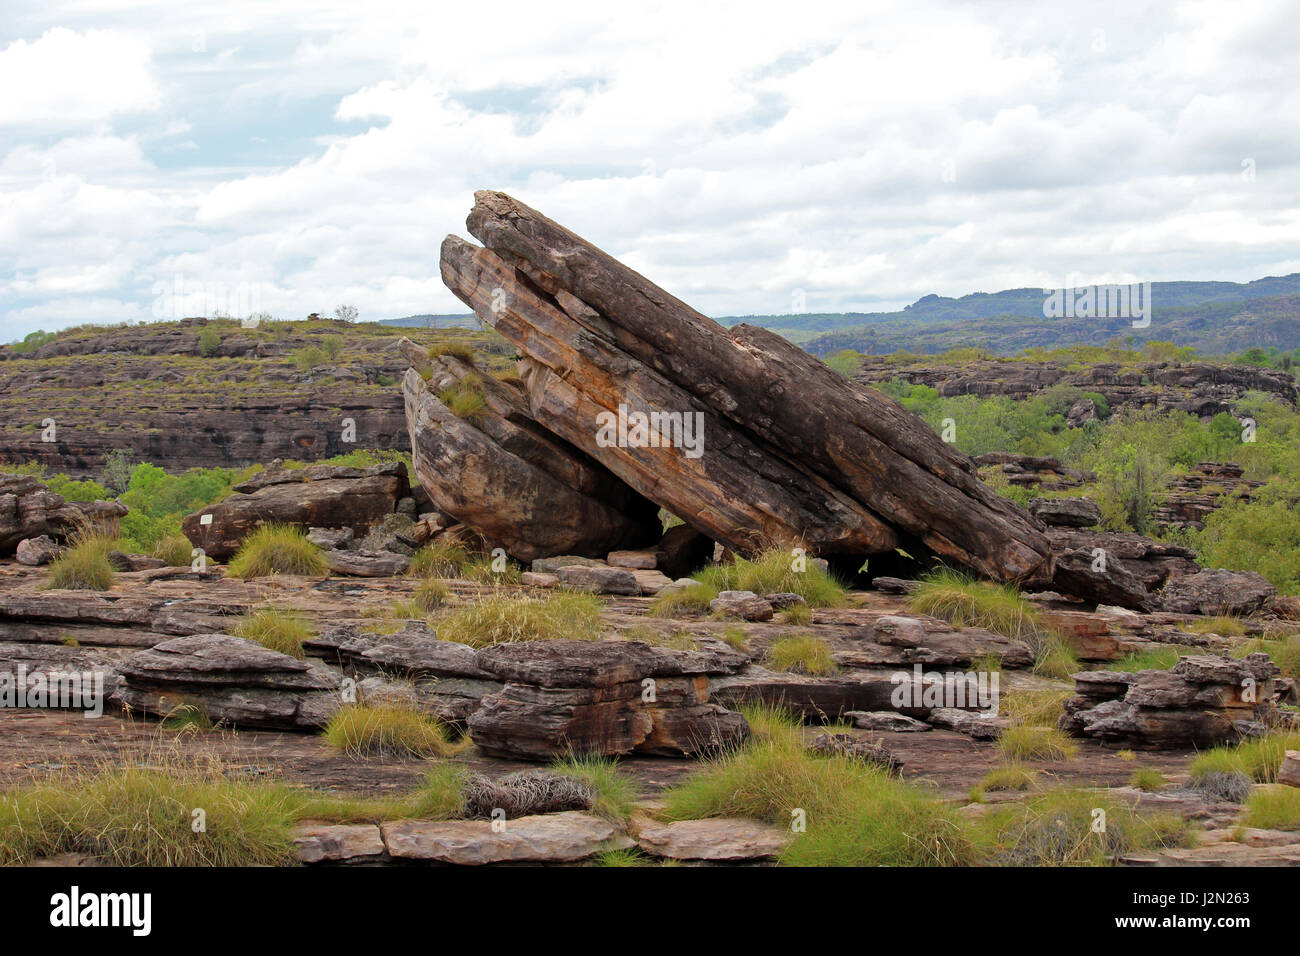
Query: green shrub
(209, 342)
(309, 357)
(276, 549)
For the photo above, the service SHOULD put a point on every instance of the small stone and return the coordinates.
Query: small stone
(602, 580)
(330, 539)
(784, 599)
(539, 579)
(712, 839)
(338, 844)
(37, 551)
(745, 605)
(1289, 772)
(886, 720)
(634, 560)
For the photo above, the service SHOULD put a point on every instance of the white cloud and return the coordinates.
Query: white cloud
(65, 78)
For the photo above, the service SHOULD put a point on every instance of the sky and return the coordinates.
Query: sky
(168, 159)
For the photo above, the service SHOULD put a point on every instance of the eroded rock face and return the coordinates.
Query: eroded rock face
(1116, 568)
(320, 496)
(1201, 701)
(843, 468)
(231, 680)
(1066, 512)
(608, 698)
(29, 510)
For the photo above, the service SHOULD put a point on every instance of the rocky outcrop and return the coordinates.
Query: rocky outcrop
(1191, 498)
(729, 449)
(1041, 473)
(608, 698)
(498, 471)
(30, 510)
(1197, 388)
(231, 680)
(1066, 512)
(320, 496)
(1201, 701)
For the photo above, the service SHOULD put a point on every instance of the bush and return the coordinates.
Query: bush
(310, 357)
(361, 730)
(209, 341)
(276, 629)
(276, 549)
(802, 654)
(508, 619)
(84, 565)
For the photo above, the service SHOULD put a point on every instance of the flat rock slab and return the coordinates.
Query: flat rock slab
(546, 838)
(338, 843)
(714, 839)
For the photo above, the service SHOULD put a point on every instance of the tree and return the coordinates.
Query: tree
(348, 313)
(117, 470)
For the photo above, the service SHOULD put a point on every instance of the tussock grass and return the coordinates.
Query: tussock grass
(276, 629)
(615, 793)
(465, 399)
(175, 549)
(276, 549)
(1223, 625)
(1036, 743)
(964, 602)
(387, 729)
(439, 797)
(481, 570)
(798, 615)
(1057, 829)
(509, 619)
(856, 814)
(676, 640)
(84, 564)
(1148, 778)
(439, 560)
(621, 858)
(1011, 777)
(771, 572)
(1275, 809)
(802, 654)
(737, 638)
(458, 350)
(1034, 708)
(430, 594)
(693, 597)
(1258, 758)
(145, 816)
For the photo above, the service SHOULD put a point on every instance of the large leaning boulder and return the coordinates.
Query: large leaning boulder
(30, 510)
(741, 433)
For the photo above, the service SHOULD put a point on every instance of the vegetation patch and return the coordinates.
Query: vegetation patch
(276, 549)
(276, 629)
(510, 618)
(1023, 742)
(84, 564)
(802, 654)
(387, 730)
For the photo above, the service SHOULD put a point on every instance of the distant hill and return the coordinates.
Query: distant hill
(1215, 317)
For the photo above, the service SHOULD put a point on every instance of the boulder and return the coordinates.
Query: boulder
(29, 510)
(674, 404)
(1288, 773)
(1216, 592)
(338, 843)
(745, 605)
(889, 720)
(321, 496)
(599, 580)
(35, 552)
(367, 564)
(1066, 512)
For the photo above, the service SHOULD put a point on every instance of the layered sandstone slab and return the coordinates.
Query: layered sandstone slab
(790, 449)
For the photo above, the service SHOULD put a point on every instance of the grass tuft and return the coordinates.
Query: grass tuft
(387, 729)
(276, 549)
(1036, 743)
(276, 629)
(509, 619)
(84, 564)
(802, 654)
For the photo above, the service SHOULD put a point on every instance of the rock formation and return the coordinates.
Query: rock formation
(752, 439)
(1201, 701)
(30, 510)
